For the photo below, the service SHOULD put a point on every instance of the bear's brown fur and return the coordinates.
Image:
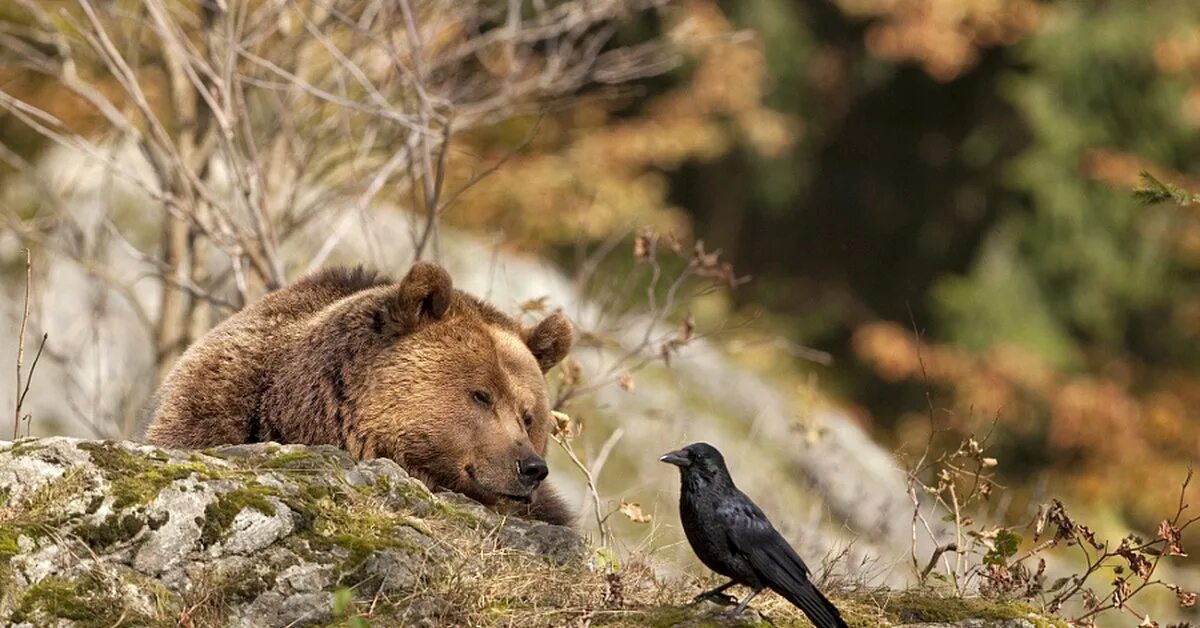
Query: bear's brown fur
(416, 371)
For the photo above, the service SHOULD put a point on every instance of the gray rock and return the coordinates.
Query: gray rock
(252, 530)
(169, 544)
(304, 578)
(274, 609)
(251, 535)
(561, 546)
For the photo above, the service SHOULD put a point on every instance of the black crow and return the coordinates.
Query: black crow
(731, 535)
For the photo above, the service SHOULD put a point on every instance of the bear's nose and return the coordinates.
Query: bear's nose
(532, 470)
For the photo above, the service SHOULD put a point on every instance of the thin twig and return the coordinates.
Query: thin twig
(565, 444)
(23, 384)
(21, 344)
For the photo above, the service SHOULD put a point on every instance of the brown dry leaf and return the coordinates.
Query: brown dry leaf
(709, 265)
(1121, 592)
(534, 305)
(1173, 536)
(987, 538)
(686, 329)
(625, 381)
(1138, 563)
(564, 427)
(643, 245)
(633, 511)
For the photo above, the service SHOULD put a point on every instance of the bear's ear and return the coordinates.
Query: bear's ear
(423, 296)
(550, 340)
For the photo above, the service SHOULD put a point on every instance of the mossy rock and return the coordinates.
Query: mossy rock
(219, 514)
(114, 529)
(262, 535)
(926, 607)
(85, 602)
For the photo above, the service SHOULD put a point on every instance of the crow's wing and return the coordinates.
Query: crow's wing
(777, 564)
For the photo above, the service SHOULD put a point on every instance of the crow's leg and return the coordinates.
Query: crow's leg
(716, 595)
(741, 607)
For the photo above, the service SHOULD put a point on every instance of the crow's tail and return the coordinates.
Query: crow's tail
(819, 610)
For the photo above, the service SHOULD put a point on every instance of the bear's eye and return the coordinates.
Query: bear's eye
(528, 419)
(482, 398)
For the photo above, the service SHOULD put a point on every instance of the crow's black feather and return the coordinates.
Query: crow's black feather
(731, 535)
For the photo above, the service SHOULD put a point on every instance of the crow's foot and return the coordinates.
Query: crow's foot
(724, 599)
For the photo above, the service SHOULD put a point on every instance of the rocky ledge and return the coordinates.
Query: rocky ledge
(107, 534)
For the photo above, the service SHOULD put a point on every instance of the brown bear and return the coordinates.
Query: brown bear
(416, 371)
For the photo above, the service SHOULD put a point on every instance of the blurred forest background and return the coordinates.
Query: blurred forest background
(921, 202)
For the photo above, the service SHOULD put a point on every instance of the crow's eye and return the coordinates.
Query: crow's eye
(528, 419)
(482, 398)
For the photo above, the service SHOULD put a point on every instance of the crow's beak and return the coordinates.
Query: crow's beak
(678, 458)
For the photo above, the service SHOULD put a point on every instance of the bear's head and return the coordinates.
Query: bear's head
(458, 396)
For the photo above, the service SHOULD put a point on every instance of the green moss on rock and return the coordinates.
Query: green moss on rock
(115, 528)
(346, 520)
(451, 512)
(58, 597)
(669, 616)
(359, 549)
(293, 459)
(24, 447)
(916, 607)
(219, 514)
(86, 601)
(144, 487)
(138, 480)
(245, 586)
